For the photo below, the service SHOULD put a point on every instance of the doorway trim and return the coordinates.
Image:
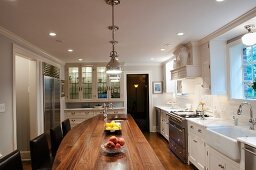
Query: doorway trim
(19, 51)
(150, 109)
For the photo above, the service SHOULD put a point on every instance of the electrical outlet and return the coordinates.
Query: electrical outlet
(2, 107)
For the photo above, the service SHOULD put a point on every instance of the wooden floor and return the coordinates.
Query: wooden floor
(160, 146)
(168, 159)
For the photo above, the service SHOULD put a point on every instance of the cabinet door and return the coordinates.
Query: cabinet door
(115, 89)
(215, 162)
(192, 148)
(101, 83)
(166, 124)
(73, 83)
(201, 154)
(162, 123)
(87, 82)
(205, 61)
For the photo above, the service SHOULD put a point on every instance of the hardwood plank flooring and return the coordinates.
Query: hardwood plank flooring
(168, 159)
(160, 146)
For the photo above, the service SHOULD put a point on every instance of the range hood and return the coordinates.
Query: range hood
(187, 71)
(186, 64)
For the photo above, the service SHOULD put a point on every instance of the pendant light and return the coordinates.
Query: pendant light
(250, 37)
(113, 67)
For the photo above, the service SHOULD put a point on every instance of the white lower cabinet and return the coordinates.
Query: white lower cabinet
(78, 116)
(164, 126)
(217, 161)
(196, 146)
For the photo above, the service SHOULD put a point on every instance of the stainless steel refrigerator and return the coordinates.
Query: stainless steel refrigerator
(51, 97)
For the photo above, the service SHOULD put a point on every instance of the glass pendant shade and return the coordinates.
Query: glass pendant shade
(113, 67)
(249, 38)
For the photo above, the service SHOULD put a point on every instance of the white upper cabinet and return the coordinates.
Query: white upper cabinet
(91, 83)
(214, 67)
(169, 84)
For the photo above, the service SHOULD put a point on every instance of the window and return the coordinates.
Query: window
(249, 71)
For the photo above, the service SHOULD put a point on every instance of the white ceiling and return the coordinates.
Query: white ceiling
(145, 25)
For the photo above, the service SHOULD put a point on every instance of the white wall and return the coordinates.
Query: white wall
(22, 103)
(156, 74)
(6, 85)
(217, 105)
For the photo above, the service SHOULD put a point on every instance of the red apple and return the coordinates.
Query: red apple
(118, 146)
(121, 141)
(110, 145)
(113, 139)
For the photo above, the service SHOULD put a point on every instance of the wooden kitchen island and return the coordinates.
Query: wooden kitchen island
(81, 148)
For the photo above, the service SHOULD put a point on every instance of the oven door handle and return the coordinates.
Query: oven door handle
(251, 152)
(175, 127)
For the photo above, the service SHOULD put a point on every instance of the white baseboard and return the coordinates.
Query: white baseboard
(153, 129)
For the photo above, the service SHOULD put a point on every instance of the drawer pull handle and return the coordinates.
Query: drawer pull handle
(250, 151)
(195, 141)
(221, 166)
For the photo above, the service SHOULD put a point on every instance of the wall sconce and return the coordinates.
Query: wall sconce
(250, 37)
(136, 85)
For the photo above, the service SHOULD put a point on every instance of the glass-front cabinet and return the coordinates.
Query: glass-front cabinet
(73, 83)
(91, 83)
(102, 83)
(80, 83)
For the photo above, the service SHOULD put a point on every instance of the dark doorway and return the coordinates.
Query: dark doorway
(138, 99)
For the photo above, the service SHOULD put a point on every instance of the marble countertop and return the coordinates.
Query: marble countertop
(211, 121)
(169, 108)
(248, 140)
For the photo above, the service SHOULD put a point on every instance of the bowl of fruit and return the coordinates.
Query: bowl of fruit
(112, 127)
(114, 145)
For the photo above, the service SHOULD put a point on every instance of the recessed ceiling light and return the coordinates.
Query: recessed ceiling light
(219, 0)
(180, 33)
(70, 50)
(80, 59)
(52, 34)
(162, 49)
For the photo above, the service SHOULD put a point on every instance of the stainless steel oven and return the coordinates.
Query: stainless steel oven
(178, 137)
(178, 133)
(250, 157)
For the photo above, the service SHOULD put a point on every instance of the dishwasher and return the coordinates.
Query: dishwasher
(250, 157)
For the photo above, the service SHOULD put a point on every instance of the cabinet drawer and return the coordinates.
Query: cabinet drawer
(74, 114)
(196, 129)
(116, 111)
(74, 122)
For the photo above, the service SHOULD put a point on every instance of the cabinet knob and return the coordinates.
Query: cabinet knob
(221, 166)
(195, 141)
(192, 127)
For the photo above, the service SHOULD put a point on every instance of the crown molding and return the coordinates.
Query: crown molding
(142, 64)
(238, 21)
(17, 39)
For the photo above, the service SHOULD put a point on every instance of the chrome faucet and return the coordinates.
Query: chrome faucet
(105, 109)
(202, 104)
(252, 120)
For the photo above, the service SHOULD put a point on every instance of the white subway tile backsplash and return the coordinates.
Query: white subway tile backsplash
(219, 106)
